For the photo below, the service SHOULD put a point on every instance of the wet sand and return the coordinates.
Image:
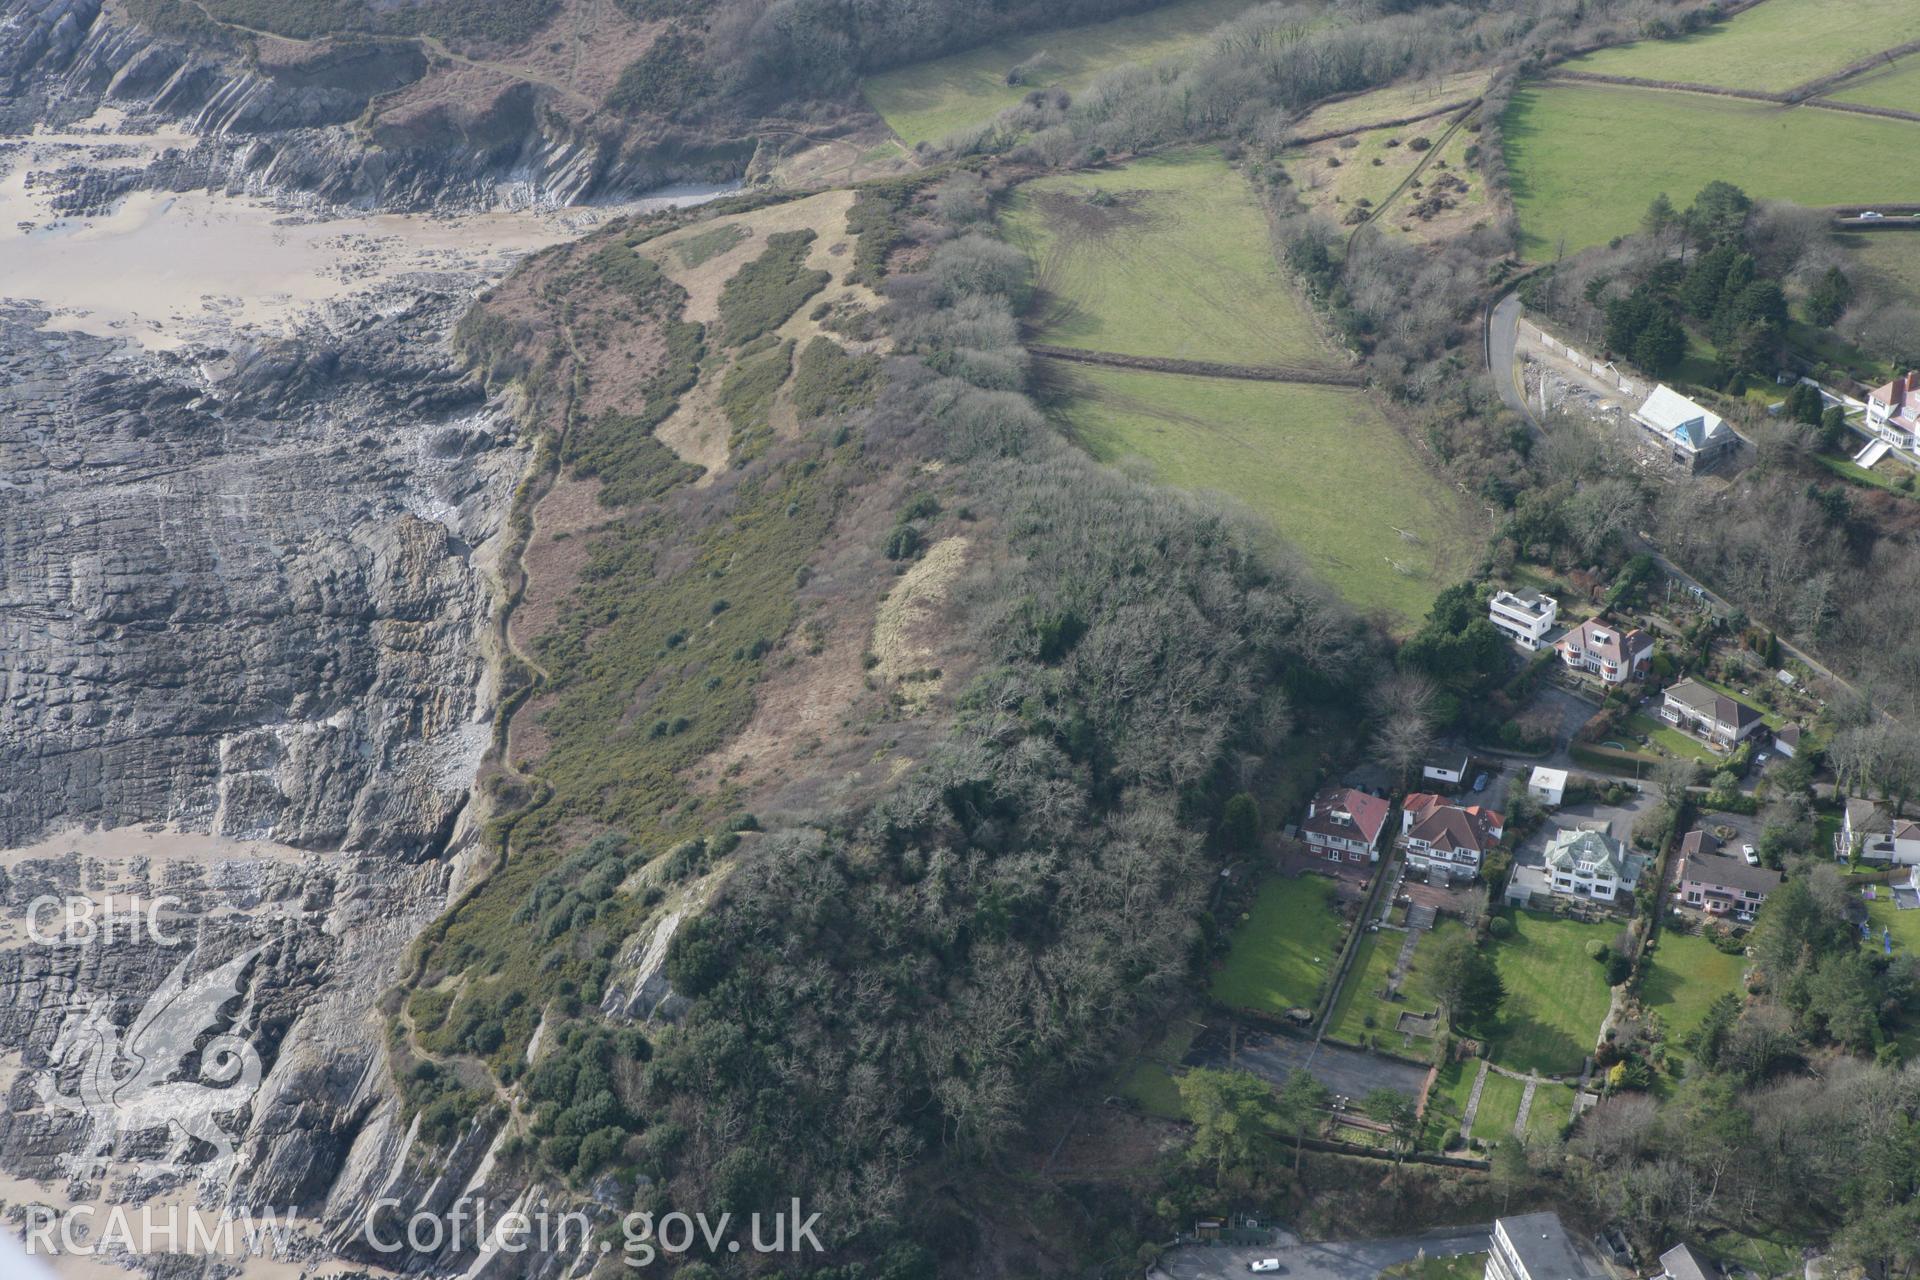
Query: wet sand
(165, 269)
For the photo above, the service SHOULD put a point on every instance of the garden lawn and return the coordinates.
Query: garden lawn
(1582, 171)
(1557, 995)
(927, 101)
(1169, 256)
(1372, 966)
(1904, 925)
(1447, 1102)
(1668, 739)
(1768, 48)
(1551, 1110)
(1319, 465)
(1283, 950)
(1499, 1107)
(1686, 975)
(1359, 994)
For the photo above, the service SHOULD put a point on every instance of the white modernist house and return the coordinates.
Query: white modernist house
(1523, 617)
(1548, 786)
(1591, 864)
(1693, 436)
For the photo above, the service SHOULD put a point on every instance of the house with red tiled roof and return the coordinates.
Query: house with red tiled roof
(1893, 410)
(1344, 824)
(1448, 840)
(1614, 654)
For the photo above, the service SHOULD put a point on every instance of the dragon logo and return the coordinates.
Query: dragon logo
(126, 1079)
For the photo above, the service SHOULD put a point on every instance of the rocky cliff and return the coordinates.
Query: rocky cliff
(243, 602)
(374, 123)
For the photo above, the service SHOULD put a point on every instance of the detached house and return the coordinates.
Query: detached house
(1723, 721)
(1710, 881)
(1693, 436)
(1591, 864)
(1604, 650)
(1880, 838)
(1344, 824)
(1524, 617)
(1893, 411)
(1446, 839)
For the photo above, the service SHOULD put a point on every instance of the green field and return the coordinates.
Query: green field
(1318, 464)
(1583, 174)
(1169, 256)
(1896, 85)
(1557, 995)
(1768, 48)
(1686, 975)
(1284, 949)
(1372, 966)
(927, 101)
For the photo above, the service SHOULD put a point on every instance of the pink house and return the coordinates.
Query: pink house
(1344, 824)
(1607, 651)
(1718, 884)
(1893, 410)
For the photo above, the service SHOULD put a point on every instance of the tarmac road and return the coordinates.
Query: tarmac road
(1350, 1260)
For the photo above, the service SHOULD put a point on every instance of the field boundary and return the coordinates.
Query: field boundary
(1783, 99)
(1201, 368)
(1309, 139)
(1817, 86)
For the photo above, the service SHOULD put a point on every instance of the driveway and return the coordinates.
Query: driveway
(1273, 1057)
(1352, 1260)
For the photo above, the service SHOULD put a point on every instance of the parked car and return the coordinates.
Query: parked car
(1871, 215)
(1264, 1264)
(1480, 783)
(1752, 856)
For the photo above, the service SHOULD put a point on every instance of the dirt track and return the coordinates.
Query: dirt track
(1203, 368)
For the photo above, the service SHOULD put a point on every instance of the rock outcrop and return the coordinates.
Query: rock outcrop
(275, 117)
